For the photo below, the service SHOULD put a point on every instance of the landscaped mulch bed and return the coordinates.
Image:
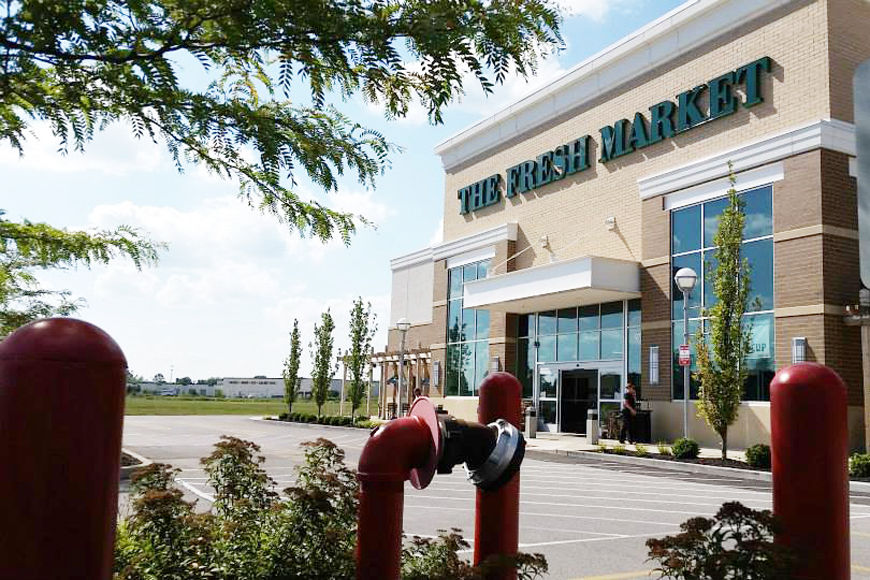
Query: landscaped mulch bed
(714, 461)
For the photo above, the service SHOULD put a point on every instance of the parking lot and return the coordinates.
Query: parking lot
(591, 518)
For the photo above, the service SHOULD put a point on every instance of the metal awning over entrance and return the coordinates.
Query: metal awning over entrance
(562, 284)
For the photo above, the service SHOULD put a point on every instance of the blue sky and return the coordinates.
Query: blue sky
(223, 298)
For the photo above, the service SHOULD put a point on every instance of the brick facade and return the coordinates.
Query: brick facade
(814, 46)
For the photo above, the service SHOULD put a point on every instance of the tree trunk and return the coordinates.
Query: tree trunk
(724, 435)
(289, 407)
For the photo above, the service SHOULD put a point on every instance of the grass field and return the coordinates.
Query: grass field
(204, 406)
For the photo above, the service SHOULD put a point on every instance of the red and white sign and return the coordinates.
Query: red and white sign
(685, 355)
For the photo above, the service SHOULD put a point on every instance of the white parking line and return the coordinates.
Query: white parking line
(585, 489)
(547, 515)
(195, 491)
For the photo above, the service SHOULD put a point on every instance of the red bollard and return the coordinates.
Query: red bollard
(497, 517)
(405, 448)
(62, 386)
(809, 459)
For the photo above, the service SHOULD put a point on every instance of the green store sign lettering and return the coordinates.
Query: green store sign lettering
(702, 104)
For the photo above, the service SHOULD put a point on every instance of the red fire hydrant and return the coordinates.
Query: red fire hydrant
(809, 461)
(415, 447)
(62, 384)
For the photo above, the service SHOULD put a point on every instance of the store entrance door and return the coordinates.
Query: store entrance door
(566, 391)
(579, 393)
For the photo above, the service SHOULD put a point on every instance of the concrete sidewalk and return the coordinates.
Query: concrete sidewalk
(567, 445)
(561, 443)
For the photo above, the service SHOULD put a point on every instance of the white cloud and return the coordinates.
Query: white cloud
(117, 152)
(361, 203)
(596, 10)
(308, 310)
(438, 234)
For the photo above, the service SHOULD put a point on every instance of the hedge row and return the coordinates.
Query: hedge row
(335, 420)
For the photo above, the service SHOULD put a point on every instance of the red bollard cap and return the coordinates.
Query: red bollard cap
(62, 339)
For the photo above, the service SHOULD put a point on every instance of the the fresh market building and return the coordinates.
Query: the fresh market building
(567, 214)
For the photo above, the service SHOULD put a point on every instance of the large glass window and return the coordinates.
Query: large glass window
(692, 232)
(467, 334)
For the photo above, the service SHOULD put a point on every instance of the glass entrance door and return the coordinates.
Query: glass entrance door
(566, 391)
(578, 394)
(609, 392)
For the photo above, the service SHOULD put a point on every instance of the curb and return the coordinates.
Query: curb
(127, 470)
(732, 472)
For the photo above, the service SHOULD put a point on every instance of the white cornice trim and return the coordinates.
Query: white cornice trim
(657, 43)
(743, 181)
(490, 237)
(826, 133)
(480, 240)
(412, 259)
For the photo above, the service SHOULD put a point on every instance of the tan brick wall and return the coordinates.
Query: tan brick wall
(655, 329)
(797, 272)
(795, 92)
(840, 199)
(848, 24)
(797, 199)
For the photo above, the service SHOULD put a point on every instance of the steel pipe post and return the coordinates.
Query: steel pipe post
(62, 387)
(497, 517)
(809, 460)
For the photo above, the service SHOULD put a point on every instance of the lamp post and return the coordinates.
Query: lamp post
(402, 325)
(685, 279)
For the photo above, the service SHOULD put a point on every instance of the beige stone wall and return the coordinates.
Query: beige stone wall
(752, 425)
(572, 211)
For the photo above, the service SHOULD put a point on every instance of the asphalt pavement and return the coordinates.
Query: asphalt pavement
(588, 516)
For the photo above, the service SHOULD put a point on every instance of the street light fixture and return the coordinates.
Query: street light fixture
(402, 325)
(685, 279)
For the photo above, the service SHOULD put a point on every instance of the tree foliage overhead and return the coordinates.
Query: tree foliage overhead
(722, 364)
(83, 64)
(26, 248)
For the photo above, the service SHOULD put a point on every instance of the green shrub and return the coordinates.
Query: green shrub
(663, 448)
(603, 448)
(758, 455)
(686, 448)
(736, 543)
(619, 449)
(282, 417)
(859, 465)
(346, 421)
(640, 450)
(252, 533)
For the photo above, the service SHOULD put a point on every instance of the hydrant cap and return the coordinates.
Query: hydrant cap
(423, 409)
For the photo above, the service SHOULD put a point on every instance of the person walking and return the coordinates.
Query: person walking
(629, 410)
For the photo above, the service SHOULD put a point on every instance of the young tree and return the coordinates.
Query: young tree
(324, 367)
(722, 364)
(291, 368)
(81, 66)
(363, 325)
(26, 248)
